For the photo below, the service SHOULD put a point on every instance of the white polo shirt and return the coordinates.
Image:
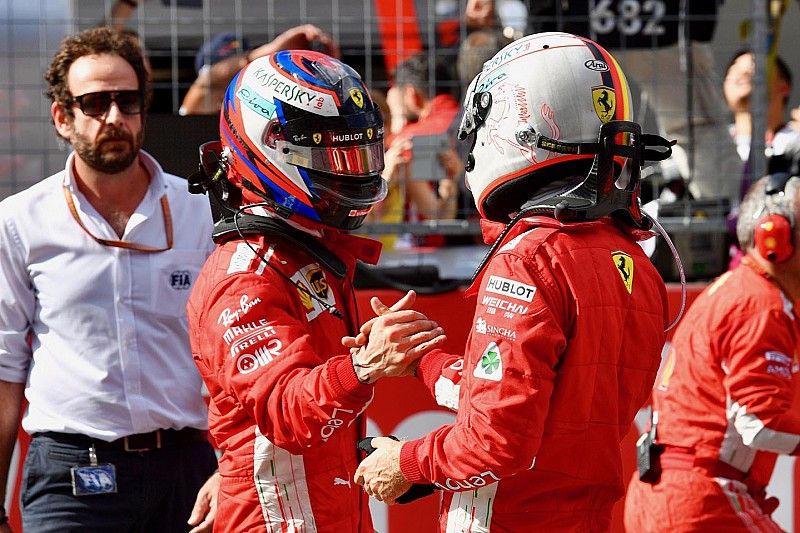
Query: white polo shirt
(110, 353)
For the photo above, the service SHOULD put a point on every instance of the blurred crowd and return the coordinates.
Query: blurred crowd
(677, 91)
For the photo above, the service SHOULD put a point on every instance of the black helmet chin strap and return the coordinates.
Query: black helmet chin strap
(231, 221)
(596, 196)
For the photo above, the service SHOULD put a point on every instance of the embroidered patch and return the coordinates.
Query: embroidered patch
(490, 365)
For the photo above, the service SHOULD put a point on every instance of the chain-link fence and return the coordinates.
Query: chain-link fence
(674, 51)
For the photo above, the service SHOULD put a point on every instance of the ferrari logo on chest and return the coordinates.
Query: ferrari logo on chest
(317, 138)
(624, 265)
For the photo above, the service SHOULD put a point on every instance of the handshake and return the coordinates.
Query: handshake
(390, 344)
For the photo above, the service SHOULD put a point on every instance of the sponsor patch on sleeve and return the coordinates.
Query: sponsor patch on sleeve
(511, 288)
(241, 258)
(490, 365)
(779, 364)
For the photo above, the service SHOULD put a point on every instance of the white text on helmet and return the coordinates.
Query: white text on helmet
(504, 55)
(344, 137)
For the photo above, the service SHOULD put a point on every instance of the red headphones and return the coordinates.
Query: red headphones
(774, 234)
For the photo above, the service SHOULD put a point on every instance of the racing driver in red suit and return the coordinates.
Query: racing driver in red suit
(723, 400)
(570, 318)
(298, 164)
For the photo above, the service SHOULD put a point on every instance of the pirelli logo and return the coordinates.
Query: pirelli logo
(510, 288)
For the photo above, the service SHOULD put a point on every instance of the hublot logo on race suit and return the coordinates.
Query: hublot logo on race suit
(510, 287)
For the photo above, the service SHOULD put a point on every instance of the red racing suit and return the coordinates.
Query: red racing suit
(284, 398)
(565, 346)
(723, 400)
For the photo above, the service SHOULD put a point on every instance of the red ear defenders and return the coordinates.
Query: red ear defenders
(774, 234)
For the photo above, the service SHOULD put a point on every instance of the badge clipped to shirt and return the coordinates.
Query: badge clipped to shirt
(94, 478)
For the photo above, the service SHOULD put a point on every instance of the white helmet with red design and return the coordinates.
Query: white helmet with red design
(549, 124)
(300, 133)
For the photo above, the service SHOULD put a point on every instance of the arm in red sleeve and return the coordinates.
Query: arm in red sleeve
(265, 358)
(759, 381)
(508, 375)
(441, 373)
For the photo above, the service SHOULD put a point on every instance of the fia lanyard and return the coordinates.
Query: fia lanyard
(125, 244)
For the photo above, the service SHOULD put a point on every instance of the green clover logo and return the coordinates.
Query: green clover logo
(490, 361)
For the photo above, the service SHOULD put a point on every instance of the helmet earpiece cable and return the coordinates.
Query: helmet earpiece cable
(679, 264)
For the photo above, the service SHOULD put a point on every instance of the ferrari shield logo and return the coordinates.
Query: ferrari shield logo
(605, 102)
(317, 138)
(357, 96)
(369, 133)
(624, 265)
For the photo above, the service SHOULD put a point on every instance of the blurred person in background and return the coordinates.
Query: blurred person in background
(294, 172)
(218, 61)
(738, 89)
(571, 314)
(723, 402)
(96, 268)
(421, 103)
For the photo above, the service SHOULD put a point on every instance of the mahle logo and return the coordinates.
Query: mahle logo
(490, 365)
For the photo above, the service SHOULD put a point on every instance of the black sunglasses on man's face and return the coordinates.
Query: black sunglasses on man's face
(97, 104)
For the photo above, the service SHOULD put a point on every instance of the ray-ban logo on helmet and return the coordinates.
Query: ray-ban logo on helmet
(317, 138)
(596, 64)
(357, 96)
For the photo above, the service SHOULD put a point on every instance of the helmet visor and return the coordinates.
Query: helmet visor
(354, 160)
(353, 194)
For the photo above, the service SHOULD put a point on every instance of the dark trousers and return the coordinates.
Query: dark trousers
(156, 489)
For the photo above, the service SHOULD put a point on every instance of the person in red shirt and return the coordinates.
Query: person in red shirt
(422, 103)
(722, 403)
(570, 317)
(298, 166)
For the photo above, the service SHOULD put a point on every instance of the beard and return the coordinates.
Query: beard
(103, 159)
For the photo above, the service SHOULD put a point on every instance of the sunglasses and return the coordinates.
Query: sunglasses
(97, 104)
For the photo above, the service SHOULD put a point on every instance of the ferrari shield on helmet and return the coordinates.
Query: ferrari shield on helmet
(549, 123)
(300, 133)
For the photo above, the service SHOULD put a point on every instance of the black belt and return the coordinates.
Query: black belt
(140, 442)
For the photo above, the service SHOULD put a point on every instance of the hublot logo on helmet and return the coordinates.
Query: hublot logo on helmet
(345, 137)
